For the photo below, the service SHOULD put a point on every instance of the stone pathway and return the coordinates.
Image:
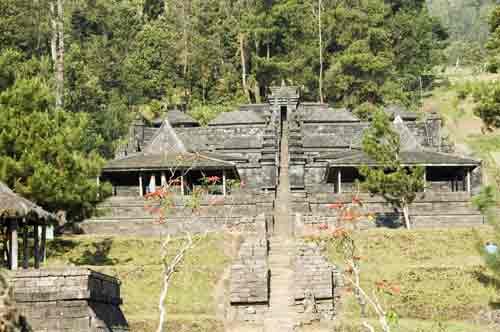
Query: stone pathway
(281, 316)
(282, 224)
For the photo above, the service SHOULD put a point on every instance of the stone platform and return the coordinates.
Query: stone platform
(68, 299)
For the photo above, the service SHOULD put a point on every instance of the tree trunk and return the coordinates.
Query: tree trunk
(320, 33)
(57, 47)
(53, 38)
(406, 214)
(241, 38)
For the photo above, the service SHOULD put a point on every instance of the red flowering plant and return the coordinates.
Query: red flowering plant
(349, 214)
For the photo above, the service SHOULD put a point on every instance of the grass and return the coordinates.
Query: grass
(443, 283)
(456, 104)
(135, 261)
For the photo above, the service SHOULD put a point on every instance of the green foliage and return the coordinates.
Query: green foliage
(397, 183)
(486, 203)
(488, 108)
(206, 113)
(42, 150)
(493, 44)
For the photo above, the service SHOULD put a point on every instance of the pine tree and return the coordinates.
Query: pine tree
(397, 183)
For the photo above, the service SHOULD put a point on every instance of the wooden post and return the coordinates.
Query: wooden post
(14, 249)
(98, 182)
(141, 188)
(468, 181)
(163, 179)
(25, 247)
(152, 183)
(224, 190)
(43, 243)
(339, 181)
(182, 185)
(36, 253)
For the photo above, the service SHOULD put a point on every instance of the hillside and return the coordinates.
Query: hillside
(456, 104)
(443, 284)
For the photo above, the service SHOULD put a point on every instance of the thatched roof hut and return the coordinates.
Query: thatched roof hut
(18, 212)
(14, 206)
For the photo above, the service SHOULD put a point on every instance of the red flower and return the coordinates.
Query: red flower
(337, 205)
(213, 179)
(323, 227)
(356, 200)
(340, 232)
(242, 184)
(395, 290)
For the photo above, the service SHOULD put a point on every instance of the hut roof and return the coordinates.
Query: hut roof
(176, 118)
(238, 117)
(318, 115)
(14, 206)
(424, 158)
(148, 161)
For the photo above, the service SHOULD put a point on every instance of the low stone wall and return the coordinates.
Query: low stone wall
(72, 299)
(249, 287)
(429, 210)
(130, 216)
(314, 287)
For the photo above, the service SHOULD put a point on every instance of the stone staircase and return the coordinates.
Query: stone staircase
(281, 316)
(282, 224)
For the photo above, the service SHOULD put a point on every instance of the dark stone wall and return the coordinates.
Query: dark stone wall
(131, 216)
(68, 300)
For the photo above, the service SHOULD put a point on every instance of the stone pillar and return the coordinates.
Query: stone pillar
(141, 188)
(14, 249)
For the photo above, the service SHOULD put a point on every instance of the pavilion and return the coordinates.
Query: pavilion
(18, 213)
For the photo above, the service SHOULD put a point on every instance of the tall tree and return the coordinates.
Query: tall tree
(397, 183)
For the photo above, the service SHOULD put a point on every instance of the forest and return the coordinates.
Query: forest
(75, 73)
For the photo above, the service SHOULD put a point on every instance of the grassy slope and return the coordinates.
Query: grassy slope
(443, 283)
(135, 261)
(463, 127)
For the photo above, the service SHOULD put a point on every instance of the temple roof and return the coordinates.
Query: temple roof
(189, 160)
(15, 206)
(238, 117)
(409, 158)
(165, 141)
(284, 91)
(319, 115)
(177, 118)
(395, 110)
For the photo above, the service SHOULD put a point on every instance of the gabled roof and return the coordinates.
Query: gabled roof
(284, 91)
(410, 158)
(15, 206)
(165, 141)
(255, 107)
(396, 110)
(408, 141)
(147, 161)
(318, 115)
(238, 118)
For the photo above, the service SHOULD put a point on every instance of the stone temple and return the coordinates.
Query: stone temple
(322, 147)
(278, 168)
